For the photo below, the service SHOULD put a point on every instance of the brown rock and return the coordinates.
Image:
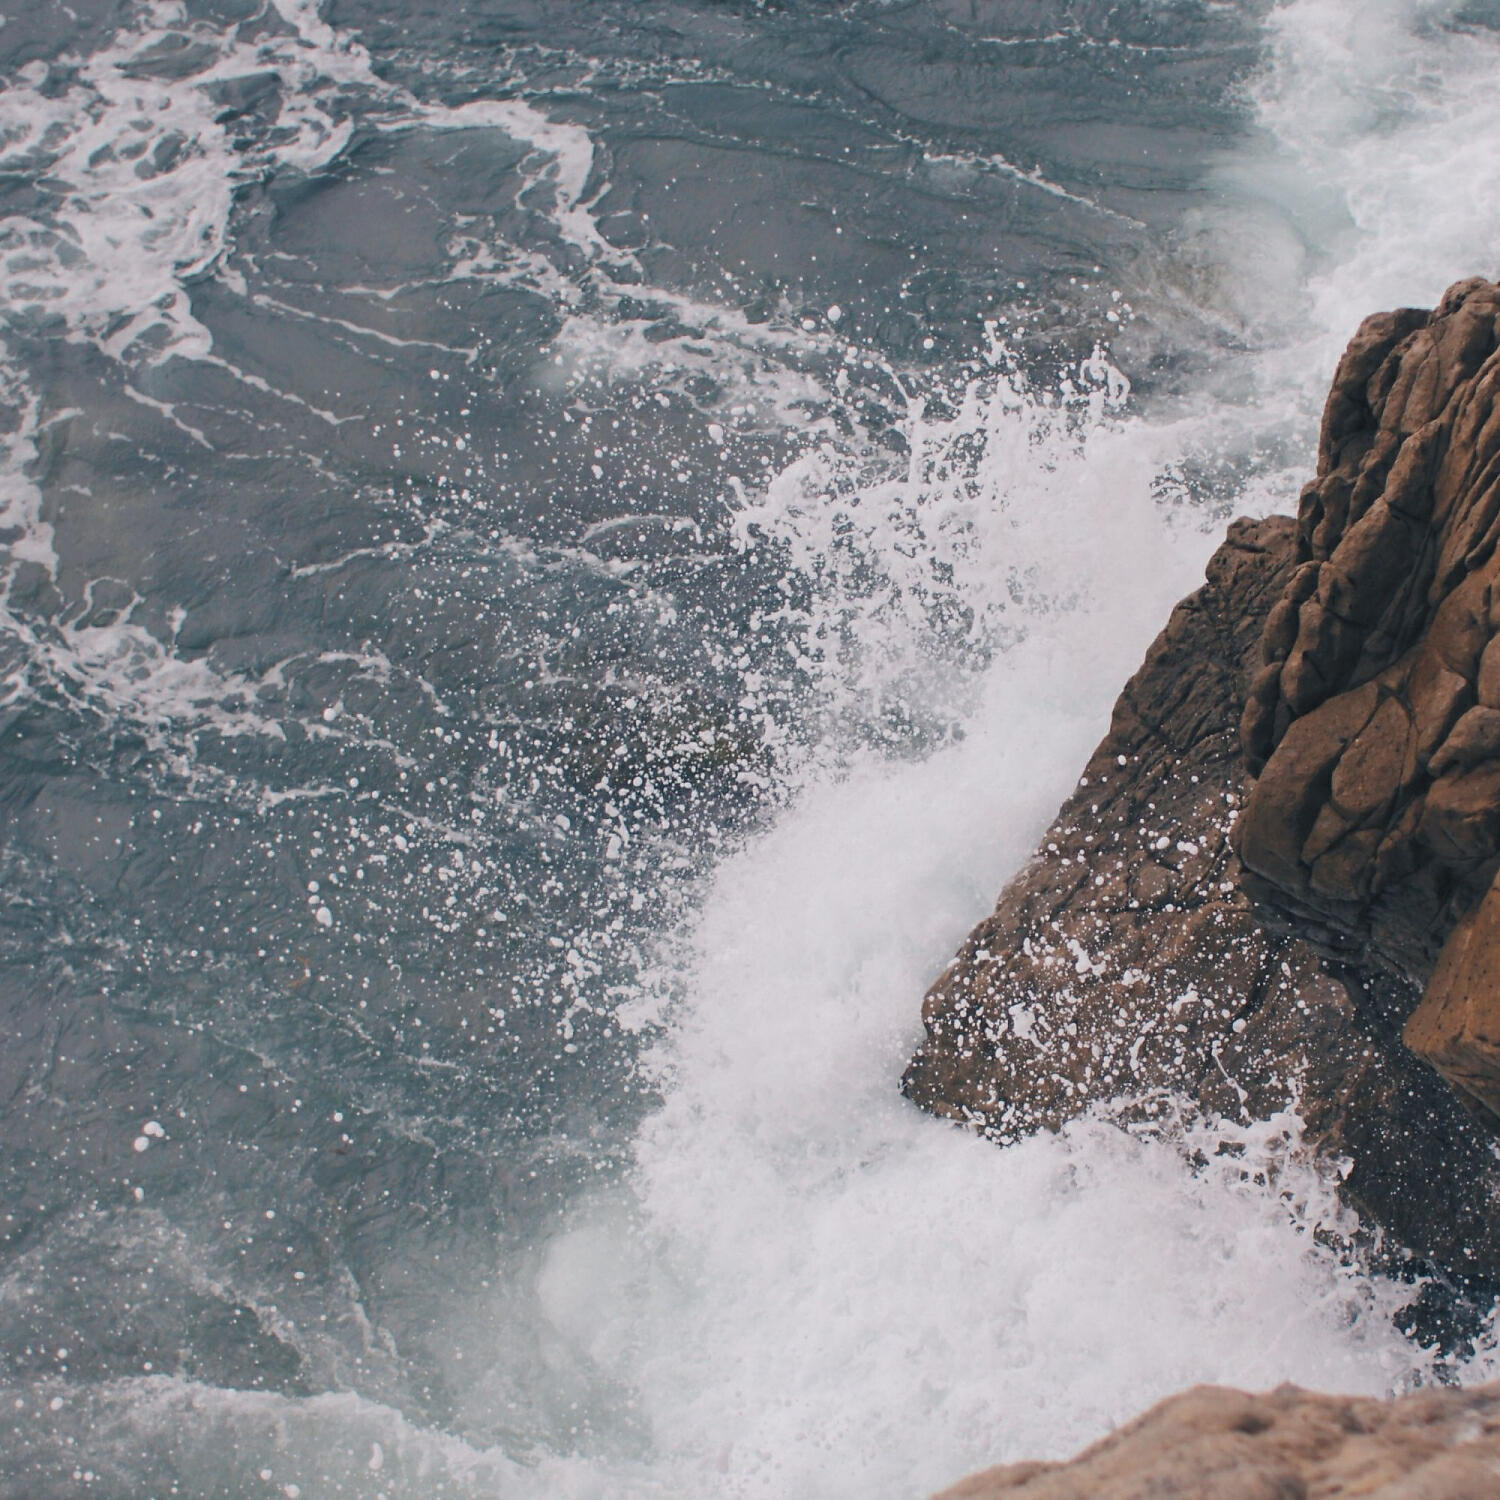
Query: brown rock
(1124, 962)
(1438, 699)
(1457, 1025)
(1386, 842)
(1300, 782)
(1211, 1443)
(1489, 674)
(1382, 838)
(1473, 739)
(1166, 939)
(1088, 981)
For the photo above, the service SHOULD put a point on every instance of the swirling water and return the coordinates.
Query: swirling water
(556, 555)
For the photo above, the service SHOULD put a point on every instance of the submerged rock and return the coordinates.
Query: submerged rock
(1346, 658)
(1211, 1443)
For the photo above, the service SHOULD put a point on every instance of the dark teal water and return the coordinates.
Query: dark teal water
(469, 470)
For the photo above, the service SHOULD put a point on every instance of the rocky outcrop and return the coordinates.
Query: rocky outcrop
(1248, 943)
(1216, 1444)
(1374, 722)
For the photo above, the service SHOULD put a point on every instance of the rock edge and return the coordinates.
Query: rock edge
(1213, 1443)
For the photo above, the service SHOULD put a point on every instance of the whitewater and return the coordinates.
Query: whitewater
(624, 1008)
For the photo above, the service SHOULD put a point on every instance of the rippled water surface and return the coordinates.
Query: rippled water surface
(555, 557)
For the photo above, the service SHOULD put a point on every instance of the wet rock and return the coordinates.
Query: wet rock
(1376, 814)
(1457, 1025)
(1374, 720)
(1123, 959)
(1126, 963)
(1211, 1443)
(1166, 939)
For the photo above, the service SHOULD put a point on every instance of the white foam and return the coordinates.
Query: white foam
(150, 176)
(1374, 183)
(1392, 116)
(20, 495)
(815, 1289)
(569, 148)
(1004, 517)
(212, 1440)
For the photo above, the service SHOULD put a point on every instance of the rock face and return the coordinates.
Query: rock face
(1457, 1025)
(1374, 722)
(1166, 937)
(1210, 1443)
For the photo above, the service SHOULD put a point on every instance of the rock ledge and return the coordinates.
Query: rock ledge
(1212, 1443)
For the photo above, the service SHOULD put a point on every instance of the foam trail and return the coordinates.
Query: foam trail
(20, 495)
(151, 178)
(147, 174)
(569, 146)
(152, 172)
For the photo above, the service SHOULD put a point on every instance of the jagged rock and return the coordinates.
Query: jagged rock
(1089, 981)
(1374, 720)
(1350, 654)
(1211, 1443)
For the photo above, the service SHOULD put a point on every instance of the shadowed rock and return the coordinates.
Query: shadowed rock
(1210, 1443)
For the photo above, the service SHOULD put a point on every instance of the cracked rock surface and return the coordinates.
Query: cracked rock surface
(1373, 722)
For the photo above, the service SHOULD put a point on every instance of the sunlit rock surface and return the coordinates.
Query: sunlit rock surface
(1349, 653)
(1211, 1443)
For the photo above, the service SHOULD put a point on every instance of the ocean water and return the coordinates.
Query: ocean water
(556, 556)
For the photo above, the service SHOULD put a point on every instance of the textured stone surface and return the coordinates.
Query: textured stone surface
(1457, 1026)
(1373, 721)
(1211, 1443)
(1125, 960)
